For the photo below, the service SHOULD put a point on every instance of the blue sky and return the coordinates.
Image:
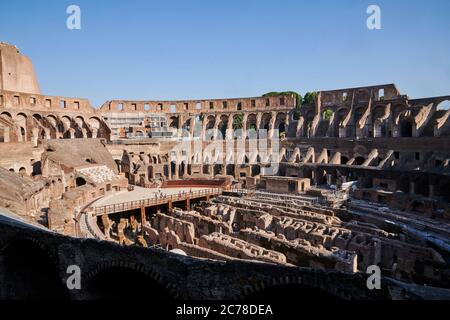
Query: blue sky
(186, 49)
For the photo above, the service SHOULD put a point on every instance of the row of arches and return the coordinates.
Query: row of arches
(31, 272)
(379, 123)
(216, 126)
(52, 126)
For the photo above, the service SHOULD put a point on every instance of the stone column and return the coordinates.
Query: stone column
(229, 133)
(204, 123)
(143, 219)
(35, 136)
(272, 125)
(192, 126)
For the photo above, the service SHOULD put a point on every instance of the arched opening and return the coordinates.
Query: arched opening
(406, 128)
(265, 121)
(6, 115)
(173, 122)
(80, 181)
(119, 283)
(251, 126)
(444, 105)
(23, 171)
(30, 274)
(182, 169)
(356, 117)
(307, 125)
(344, 160)
(223, 125)
(173, 167)
(282, 128)
(36, 168)
(359, 161)
(23, 134)
(291, 291)
(230, 169)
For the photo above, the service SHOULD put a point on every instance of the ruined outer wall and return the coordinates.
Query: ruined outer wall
(16, 71)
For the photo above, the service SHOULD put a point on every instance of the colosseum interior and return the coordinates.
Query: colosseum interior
(223, 199)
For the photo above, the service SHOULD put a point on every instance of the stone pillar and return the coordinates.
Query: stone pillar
(216, 127)
(192, 127)
(143, 219)
(35, 135)
(273, 119)
(244, 126)
(188, 203)
(229, 133)
(258, 121)
(286, 124)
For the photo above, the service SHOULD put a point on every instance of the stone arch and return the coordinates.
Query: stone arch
(52, 120)
(265, 121)
(287, 288)
(31, 271)
(444, 105)
(223, 125)
(127, 280)
(23, 171)
(280, 123)
(309, 117)
(6, 114)
(174, 122)
(359, 160)
(80, 181)
(406, 128)
(357, 115)
(344, 160)
(95, 125)
(340, 115)
(66, 122)
(21, 122)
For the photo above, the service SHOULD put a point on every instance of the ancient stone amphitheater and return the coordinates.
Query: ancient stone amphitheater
(223, 199)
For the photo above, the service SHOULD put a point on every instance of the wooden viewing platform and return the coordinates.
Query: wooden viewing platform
(156, 201)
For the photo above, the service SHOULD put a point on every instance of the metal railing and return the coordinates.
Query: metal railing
(157, 200)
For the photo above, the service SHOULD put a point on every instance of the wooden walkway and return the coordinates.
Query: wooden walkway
(156, 201)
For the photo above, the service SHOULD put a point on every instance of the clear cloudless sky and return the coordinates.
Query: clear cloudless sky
(192, 49)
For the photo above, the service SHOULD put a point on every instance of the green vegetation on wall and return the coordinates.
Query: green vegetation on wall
(310, 98)
(238, 121)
